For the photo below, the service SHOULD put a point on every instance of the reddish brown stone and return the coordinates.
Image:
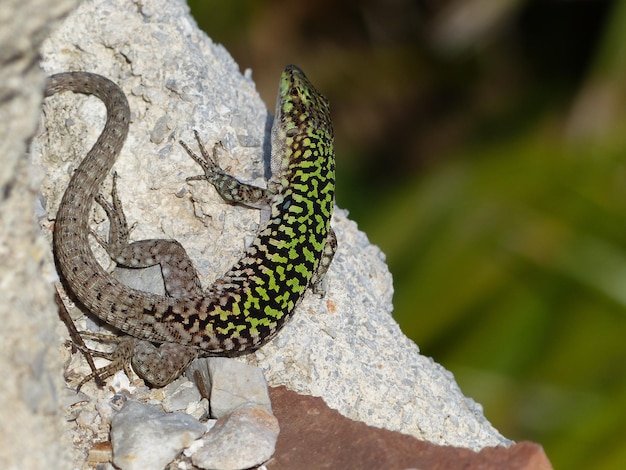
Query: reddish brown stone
(101, 452)
(313, 436)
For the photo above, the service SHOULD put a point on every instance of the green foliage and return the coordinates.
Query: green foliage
(510, 268)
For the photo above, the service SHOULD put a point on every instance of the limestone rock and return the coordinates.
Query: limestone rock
(145, 437)
(32, 430)
(243, 439)
(232, 384)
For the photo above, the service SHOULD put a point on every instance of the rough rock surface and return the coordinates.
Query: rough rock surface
(312, 436)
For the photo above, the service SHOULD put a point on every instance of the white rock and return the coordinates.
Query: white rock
(179, 394)
(144, 437)
(233, 384)
(199, 409)
(147, 279)
(243, 439)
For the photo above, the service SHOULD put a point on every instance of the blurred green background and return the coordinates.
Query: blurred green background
(482, 145)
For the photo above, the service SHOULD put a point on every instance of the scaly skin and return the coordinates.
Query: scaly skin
(249, 304)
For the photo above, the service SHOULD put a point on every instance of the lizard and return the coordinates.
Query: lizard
(245, 307)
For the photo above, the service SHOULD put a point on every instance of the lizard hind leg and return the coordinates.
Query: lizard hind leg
(317, 281)
(179, 275)
(157, 366)
(120, 358)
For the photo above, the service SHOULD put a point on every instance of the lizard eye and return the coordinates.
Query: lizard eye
(292, 132)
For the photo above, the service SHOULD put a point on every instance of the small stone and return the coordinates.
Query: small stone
(235, 384)
(144, 437)
(118, 401)
(243, 439)
(121, 382)
(101, 452)
(180, 394)
(199, 410)
(87, 419)
(105, 410)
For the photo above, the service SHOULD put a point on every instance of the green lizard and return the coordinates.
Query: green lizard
(251, 302)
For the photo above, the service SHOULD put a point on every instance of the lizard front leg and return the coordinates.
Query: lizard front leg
(236, 192)
(229, 187)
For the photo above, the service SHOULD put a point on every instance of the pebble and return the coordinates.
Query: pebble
(179, 394)
(144, 437)
(232, 384)
(243, 439)
(100, 453)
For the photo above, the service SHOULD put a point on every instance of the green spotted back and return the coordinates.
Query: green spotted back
(252, 301)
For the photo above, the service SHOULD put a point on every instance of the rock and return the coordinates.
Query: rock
(245, 433)
(232, 384)
(243, 439)
(146, 279)
(313, 436)
(144, 437)
(100, 453)
(179, 394)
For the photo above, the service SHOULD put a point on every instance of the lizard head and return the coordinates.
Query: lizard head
(302, 122)
(300, 105)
